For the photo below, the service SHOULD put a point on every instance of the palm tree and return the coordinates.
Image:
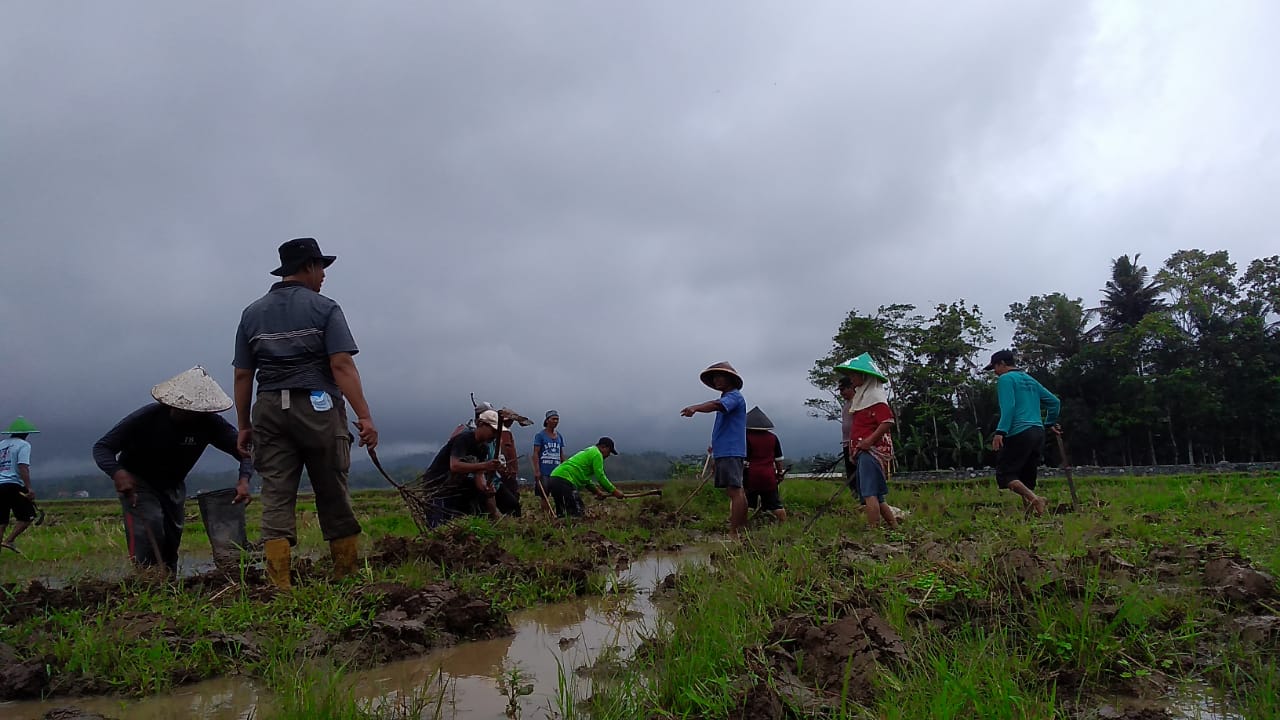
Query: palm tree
(1129, 296)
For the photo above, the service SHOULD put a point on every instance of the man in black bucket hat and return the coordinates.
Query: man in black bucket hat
(296, 254)
(298, 344)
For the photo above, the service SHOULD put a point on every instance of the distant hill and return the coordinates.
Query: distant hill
(650, 466)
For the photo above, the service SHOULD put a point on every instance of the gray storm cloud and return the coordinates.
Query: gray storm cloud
(578, 205)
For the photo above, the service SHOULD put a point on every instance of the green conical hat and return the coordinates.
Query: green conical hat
(21, 426)
(862, 364)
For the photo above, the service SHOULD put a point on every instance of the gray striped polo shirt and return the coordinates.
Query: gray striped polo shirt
(288, 335)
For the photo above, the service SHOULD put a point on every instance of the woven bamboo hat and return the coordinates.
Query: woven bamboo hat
(721, 367)
(757, 420)
(193, 390)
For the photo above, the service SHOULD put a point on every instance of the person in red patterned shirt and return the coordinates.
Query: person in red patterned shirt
(869, 440)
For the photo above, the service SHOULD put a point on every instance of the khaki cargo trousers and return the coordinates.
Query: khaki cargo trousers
(289, 436)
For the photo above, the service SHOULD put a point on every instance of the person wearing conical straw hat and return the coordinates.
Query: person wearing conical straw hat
(149, 454)
(16, 495)
(869, 440)
(298, 345)
(728, 437)
(764, 465)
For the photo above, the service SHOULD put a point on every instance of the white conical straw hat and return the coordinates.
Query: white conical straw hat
(193, 390)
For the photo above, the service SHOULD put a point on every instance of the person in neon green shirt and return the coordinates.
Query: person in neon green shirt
(585, 470)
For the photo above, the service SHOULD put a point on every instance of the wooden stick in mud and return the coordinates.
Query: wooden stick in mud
(705, 478)
(1066, 468)
(825, 507)
(642, 493)
(544, 497)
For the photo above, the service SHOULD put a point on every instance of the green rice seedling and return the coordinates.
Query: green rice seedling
(971, 675)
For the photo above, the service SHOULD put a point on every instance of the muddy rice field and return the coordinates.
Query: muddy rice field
(1154, 598)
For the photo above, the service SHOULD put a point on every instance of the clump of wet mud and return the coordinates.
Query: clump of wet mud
(1023, 573)
(1262, 630)
(804, 667)
(410, 621)
(19, 679)
(1236, 581)
(36, 598)
(455, 549)
(459, 549)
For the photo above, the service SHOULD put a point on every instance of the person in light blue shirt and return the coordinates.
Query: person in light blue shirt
(1019, 437)
(16, 495)
(728, 437)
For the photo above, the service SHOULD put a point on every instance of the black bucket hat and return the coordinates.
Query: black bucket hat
(298, 252)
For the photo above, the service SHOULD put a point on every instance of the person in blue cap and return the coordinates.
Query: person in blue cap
(548, 452)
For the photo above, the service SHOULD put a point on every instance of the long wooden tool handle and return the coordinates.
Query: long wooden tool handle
(705, 478)
(374, 457)
(1066, 469)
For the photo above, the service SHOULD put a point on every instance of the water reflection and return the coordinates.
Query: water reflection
(548, 641)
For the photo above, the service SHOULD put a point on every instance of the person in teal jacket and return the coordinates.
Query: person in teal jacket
(585, 470)
(1019, 438)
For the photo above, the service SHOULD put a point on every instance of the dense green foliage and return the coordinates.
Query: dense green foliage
(1182, 366)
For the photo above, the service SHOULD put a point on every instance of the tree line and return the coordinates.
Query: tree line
(1179, 366)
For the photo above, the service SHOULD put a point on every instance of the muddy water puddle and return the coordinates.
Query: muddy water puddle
(551, 650)
(1189, 702)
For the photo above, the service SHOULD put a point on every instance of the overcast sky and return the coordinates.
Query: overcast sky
(580, 205)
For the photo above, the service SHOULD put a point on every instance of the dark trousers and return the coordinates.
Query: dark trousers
(287, 440)
(153, 527)
(567, 498)
(508, 497)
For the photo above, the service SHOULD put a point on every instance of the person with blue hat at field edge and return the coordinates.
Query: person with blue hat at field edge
(870, 442)
(1019, 438)
(149, 454)
(16, 495)
(728, 437)
(548, 452)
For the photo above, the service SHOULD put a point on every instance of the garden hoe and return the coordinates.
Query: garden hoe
(705, 477)
(656, 492)
(1066, 469)
(822, 510)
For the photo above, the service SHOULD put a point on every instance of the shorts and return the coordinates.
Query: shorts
(729, 472)
(769, 500)
(870, 478)
(13, 499)
(1019, 458)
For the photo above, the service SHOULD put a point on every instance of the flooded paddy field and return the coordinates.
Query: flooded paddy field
(1156, 598)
